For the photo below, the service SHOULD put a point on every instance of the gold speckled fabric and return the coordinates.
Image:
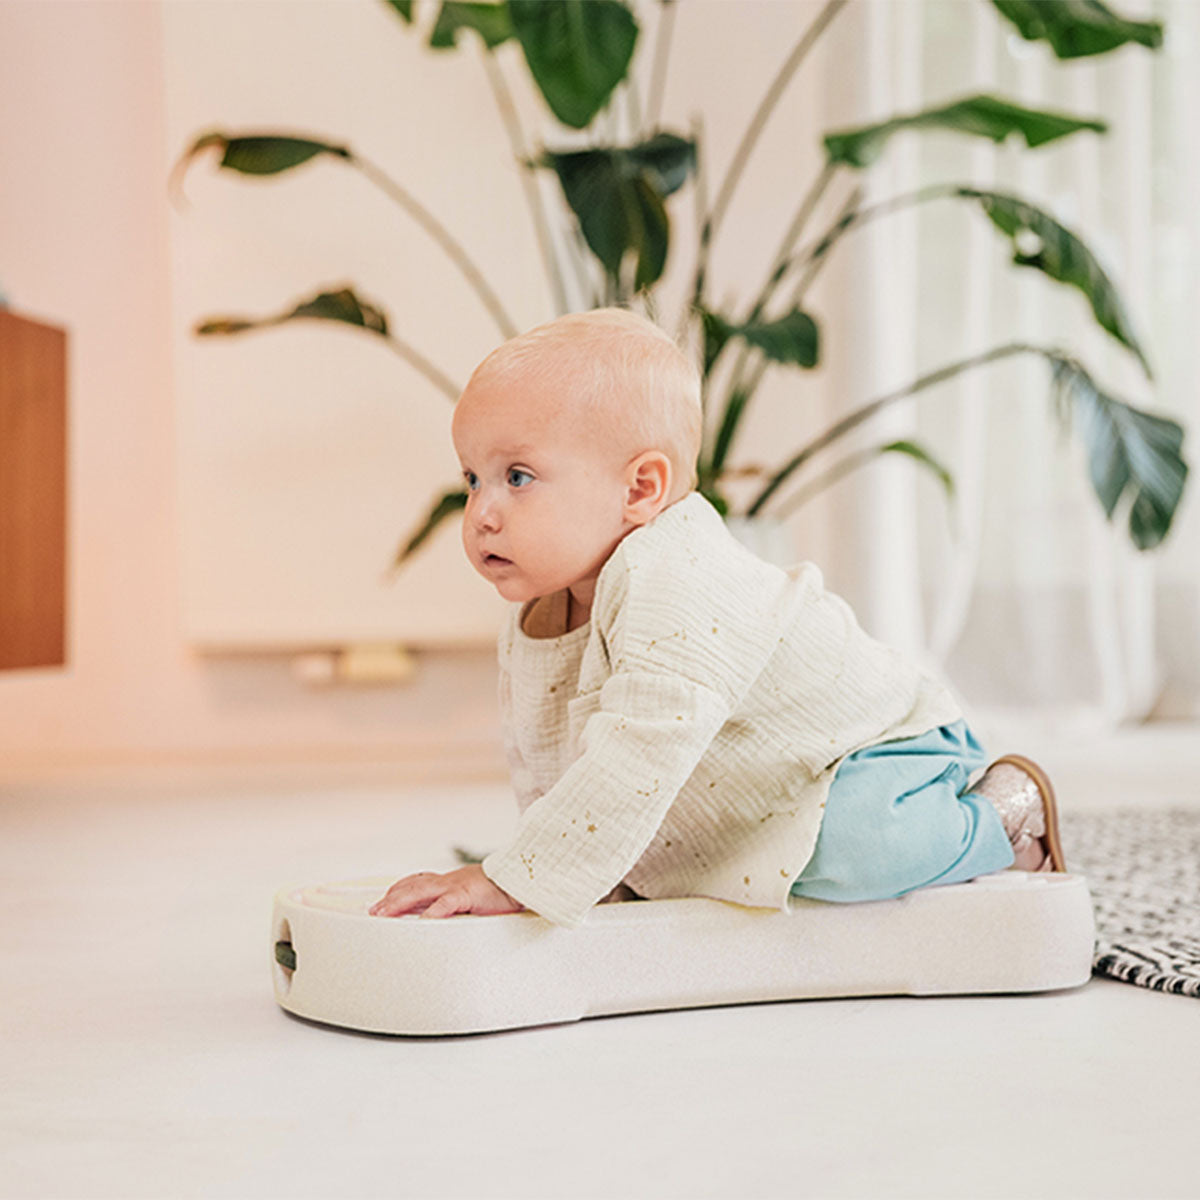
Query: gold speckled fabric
(684, 740)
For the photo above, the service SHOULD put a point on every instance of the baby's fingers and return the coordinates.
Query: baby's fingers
(448, 903)
(407, 894)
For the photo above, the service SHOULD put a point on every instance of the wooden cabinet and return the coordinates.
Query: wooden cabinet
(33, 493)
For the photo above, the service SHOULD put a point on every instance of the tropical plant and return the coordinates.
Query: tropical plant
(579, 55)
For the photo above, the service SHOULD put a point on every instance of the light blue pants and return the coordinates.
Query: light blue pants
(898, 818)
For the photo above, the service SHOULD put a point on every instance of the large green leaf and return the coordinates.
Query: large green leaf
(491, 21)
(982, 116)
(617, 193)
(791, 339)
(446, 506)
(637, 224)
(1040, 241)
(342, 305)
(403, 7)
(261, 154)
(1077, 28)
(577, 51)
(1128, 450)
(666, 159)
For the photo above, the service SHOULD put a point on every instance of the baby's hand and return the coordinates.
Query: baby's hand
(466, 890)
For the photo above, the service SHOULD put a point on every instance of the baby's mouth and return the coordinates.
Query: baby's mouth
(494, 560)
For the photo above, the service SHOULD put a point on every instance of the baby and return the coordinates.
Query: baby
(682, 718)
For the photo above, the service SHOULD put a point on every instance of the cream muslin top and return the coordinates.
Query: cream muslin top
(684, 740)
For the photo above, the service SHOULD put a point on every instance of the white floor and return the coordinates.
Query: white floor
(142, 1054)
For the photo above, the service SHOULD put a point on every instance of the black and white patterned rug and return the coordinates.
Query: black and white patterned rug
(1143, 870)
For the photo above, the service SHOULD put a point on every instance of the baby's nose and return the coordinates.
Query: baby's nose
(485, 512)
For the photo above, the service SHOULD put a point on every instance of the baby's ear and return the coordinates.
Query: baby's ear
(647, 485)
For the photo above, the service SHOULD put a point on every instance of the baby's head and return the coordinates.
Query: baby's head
(571, 436)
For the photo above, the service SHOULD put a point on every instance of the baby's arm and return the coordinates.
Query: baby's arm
(466, 890)
(577, 841)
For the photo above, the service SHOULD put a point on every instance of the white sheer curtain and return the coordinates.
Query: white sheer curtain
(1036, 609)
(1174, 307)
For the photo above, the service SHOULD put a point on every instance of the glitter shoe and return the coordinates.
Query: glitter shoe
(1020, 792)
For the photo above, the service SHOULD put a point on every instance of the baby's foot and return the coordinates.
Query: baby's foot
(1020, 792)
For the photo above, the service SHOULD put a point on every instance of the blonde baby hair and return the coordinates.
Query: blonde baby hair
(635, 381)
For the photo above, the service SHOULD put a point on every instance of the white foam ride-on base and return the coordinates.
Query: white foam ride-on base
(1008, 932)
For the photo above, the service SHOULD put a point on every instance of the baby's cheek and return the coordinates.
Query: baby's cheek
(544, 552)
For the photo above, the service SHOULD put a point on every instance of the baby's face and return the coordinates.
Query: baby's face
(545, 500)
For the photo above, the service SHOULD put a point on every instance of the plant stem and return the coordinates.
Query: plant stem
(845, 467)
(441, 235)
(814, 260)
(529, 183)
(609, 113)
(416, 359)
(750, 137)
(658, 74)
(848, 220)
(577, 255)
(761, 362)
(856, 418)
(794, 230)
(633, 106)
(724, 439)
(769, 100)
(700, 195)
(802, 286)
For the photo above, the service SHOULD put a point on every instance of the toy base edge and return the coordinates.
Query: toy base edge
(1004, 934)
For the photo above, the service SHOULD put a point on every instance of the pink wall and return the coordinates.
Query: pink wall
(83, 243)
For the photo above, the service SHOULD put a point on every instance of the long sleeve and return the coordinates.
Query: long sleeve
(575, 843)
(668, 663)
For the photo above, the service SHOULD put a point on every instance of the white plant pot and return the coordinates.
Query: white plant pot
(768, 537)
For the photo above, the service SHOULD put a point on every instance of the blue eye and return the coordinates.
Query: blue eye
(518, 478)
(472, 480)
